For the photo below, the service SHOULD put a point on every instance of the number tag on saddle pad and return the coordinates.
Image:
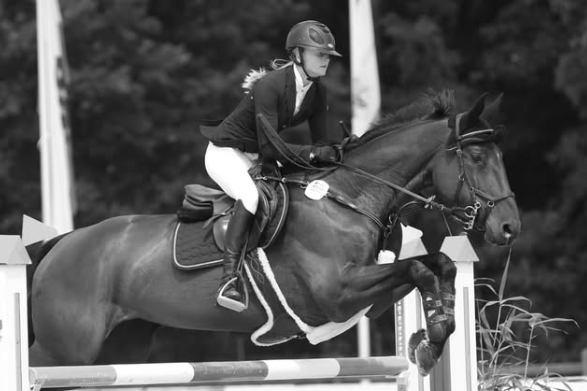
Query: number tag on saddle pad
(316, 190)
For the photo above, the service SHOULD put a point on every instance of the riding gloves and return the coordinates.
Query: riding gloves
(324, 154)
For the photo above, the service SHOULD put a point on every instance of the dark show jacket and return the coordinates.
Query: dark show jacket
(274, 95)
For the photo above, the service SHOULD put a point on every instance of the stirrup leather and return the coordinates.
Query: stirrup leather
(229, 303)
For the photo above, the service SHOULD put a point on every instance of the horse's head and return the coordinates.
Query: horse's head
(469, 175)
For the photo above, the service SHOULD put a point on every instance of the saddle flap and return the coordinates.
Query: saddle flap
(266, 209)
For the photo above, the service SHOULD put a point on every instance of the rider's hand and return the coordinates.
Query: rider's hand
(325, 154)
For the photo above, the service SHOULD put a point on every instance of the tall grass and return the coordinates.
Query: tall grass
(500, 347)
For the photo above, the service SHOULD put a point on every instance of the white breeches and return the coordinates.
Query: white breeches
(228, 167)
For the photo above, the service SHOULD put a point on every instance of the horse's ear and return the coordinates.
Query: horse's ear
(492, 113)
(471, 117)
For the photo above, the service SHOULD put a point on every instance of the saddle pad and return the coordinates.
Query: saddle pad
(194, 246)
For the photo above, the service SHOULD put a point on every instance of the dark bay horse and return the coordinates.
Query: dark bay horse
(94, 278)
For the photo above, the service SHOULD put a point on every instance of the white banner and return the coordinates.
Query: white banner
(365, 92)
(365, 101)
(55, 145)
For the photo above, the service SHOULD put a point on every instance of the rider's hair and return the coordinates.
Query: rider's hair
(280, 63)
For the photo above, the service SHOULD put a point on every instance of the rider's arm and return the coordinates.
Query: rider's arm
(266, 96)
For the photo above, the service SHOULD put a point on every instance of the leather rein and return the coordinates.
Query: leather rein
(464, 215)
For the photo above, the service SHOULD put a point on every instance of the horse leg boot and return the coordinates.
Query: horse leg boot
(237, 234)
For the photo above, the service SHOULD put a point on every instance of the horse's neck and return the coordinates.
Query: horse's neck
(401, 157)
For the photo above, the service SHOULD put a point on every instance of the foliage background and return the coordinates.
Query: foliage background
(144, 71)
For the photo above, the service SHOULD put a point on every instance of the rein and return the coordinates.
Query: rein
(282, 147)
(464, 215)
(341, 199)
(297, 161)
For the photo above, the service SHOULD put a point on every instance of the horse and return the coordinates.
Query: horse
(92, 279)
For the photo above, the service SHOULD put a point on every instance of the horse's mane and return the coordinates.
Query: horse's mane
(429, 106)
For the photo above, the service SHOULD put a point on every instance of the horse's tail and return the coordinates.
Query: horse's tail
(37, 252)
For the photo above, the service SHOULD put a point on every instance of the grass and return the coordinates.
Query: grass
(500, 346)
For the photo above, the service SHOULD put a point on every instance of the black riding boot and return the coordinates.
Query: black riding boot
(236, 238)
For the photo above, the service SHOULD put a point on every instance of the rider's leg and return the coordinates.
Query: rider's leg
(228, 167)
(237, 233)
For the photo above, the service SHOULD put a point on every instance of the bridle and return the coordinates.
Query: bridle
(481, 201)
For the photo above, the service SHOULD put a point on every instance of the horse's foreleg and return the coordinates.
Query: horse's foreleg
(380, 306)
(375, 283)
(380, 285)
(444, 268)
(425, 350)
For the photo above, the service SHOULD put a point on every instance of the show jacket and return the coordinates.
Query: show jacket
(274, 95)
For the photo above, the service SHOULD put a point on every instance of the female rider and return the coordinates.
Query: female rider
(286, 96)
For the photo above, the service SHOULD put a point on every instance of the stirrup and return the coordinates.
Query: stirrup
(230, 304)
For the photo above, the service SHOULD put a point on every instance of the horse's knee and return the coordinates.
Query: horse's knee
(422, 276)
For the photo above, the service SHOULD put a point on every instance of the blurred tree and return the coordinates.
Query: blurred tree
(19, 172)
(144, 72)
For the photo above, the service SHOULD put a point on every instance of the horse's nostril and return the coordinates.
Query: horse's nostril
(507, 231)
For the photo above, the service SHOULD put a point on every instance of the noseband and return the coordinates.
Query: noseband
(482, 203)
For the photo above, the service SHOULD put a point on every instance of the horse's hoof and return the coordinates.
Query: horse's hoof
(427, 355)
(413, 343)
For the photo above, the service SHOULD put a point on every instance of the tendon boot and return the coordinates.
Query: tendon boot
(237, 234)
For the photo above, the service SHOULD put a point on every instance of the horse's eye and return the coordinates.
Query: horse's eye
(478, 159)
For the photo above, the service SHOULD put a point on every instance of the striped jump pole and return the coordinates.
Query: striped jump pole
(214, 372)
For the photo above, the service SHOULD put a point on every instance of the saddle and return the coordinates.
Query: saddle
(204, 215)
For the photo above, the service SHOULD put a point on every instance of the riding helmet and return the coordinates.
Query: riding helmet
(311, 34)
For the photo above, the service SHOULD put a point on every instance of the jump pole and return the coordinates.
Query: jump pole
(13, 314)
(217, 372)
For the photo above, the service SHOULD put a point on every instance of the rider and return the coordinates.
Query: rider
(287, 95)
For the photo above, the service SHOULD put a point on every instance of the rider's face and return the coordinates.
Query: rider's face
(316, 62)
